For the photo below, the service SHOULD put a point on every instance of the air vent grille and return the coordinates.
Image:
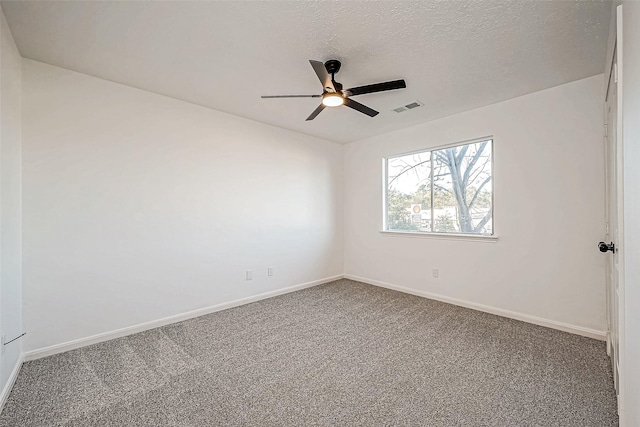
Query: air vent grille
(408, 107)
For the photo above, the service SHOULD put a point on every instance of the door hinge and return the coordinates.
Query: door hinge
(606, 130)
(615, 72)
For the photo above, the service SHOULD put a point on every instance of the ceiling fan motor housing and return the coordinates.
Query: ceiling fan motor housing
(332, 66)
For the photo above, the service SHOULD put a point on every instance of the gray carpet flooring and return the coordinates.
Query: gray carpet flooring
(343, 353)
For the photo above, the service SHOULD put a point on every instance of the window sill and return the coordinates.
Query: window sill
(443, 236)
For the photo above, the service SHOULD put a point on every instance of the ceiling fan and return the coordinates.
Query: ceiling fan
(333, 95)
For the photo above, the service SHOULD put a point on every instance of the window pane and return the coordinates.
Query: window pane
(462, 189)
(409, 192)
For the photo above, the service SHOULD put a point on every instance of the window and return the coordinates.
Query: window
(447, 190)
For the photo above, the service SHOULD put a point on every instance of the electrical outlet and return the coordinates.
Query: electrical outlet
(249, 274)
(436, 273)
(269, 271)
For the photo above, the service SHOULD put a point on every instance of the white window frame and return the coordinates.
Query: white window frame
(438, 234)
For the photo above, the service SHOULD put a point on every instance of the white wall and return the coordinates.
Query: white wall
(10, 203)
(549, 214)
(139, 207)
(631, 147)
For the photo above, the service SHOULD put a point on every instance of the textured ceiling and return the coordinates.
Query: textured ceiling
(454, 55)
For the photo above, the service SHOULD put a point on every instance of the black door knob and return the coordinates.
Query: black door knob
(604, 247)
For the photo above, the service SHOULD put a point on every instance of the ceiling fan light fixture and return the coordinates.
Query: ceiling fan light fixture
(332, 100)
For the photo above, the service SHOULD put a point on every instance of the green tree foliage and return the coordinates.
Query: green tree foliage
(399, 207)
(399, 211)
(444, 224)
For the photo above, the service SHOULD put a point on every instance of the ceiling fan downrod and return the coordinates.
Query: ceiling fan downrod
(333, 66)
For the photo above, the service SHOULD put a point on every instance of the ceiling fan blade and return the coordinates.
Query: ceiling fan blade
(325, 78)
(377, 87)
(291, 96)
(315, 112)
(362, 108)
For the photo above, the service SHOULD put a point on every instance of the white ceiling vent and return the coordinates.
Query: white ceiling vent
(410, 106)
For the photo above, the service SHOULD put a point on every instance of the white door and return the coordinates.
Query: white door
(612, 237)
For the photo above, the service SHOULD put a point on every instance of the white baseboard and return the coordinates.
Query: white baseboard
(106, 336)
(10, 382)
(578, 330)
(129, 330)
